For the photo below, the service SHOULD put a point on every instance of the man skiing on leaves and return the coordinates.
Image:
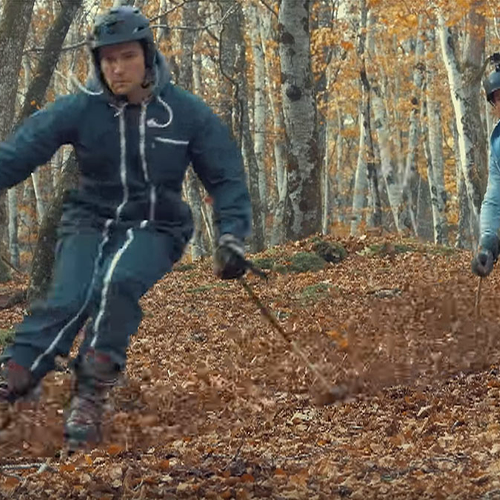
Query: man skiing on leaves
(134, 134)
(487, 253)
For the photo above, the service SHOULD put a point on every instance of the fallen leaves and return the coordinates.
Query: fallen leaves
(214, 404)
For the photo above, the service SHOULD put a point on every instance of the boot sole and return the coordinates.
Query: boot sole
(81, 440)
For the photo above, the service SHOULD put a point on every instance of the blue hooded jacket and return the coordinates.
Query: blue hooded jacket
(133, 157)
(490, 208)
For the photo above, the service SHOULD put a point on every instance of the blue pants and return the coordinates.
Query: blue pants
(98, 276)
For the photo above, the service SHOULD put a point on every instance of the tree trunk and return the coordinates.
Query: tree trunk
(434, 151)
(278, 229)
(206, 209)
(14, 25)
(43, 260)
(259, 108)
(324, 82)
(13, 227)
(411, 177)
(191, 191)
(463, 234)
(234, 68)
(27, 216)
(40, 207)
(435, 171)
(36, 93)
(41, 272)
(299, 109)
(388, 168)
(191, 186)
(340, 176)
(374, 217)
(464, 76)
(366, 181)
(361, 180)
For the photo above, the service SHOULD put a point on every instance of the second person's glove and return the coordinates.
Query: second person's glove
(486, 256)
(482, 263)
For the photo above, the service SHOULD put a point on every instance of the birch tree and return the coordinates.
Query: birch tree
(35, 177)
(360, 191)
(366, 180)
(411, 176)
(206, 210)
(259, 106)
(299, 109)
(338, 191)
(280, 178)
(12, 198)
(387, 161)
(464, 77)
(434, 149)
(325, 78)
(191, 184)
(234, 67)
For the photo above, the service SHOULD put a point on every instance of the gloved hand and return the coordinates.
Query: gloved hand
(482, 263)
(486, 256)
(229, 258)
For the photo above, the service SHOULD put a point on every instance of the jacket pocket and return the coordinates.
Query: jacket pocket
(169, 160)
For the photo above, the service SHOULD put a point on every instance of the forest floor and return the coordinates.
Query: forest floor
(215, 404)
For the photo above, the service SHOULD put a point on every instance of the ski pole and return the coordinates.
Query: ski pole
(478, 299)
(332, 393)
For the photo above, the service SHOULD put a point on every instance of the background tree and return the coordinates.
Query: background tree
(464, 67)
(14, 26)
(309, 110)
(303, 214)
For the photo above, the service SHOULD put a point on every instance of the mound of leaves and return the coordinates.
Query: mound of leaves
(308, 256)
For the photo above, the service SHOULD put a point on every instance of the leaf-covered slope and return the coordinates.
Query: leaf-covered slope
(215, 405)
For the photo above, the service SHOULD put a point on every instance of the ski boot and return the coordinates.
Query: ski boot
(94, 377)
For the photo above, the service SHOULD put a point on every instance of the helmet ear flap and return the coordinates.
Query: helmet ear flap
(149, 50)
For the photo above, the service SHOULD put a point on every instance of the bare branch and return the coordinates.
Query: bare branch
(21, 466)
(73, 46)
(12, 267)
(169, 11)
(198, 28)
(82, 43)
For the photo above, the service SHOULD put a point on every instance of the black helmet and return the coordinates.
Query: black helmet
(492, 83)
(120, 25)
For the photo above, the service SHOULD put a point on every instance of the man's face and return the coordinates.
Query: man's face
(123, 67)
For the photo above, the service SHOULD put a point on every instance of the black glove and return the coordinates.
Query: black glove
(486, 256)
(482, 263)
(229, 258)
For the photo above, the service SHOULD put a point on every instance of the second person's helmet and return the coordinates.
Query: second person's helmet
(492, 82)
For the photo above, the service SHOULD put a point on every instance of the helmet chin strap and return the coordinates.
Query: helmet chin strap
(148, 78)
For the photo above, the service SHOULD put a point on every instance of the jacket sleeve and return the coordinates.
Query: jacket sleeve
(217, 161)
(36, 140)
(490, 208)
